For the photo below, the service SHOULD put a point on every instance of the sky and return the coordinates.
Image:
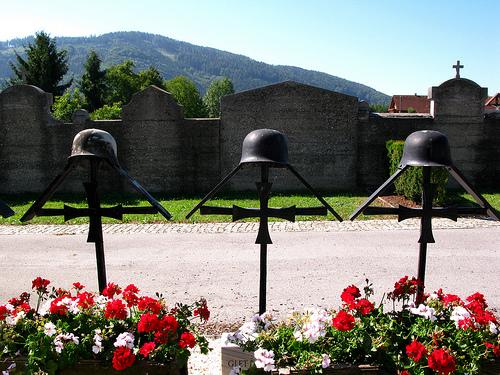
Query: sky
(396, 47)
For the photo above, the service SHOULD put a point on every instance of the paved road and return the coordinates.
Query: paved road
(309, 263)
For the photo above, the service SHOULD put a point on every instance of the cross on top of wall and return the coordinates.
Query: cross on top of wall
(457, 67)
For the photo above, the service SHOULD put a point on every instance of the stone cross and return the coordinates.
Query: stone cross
(457, 67)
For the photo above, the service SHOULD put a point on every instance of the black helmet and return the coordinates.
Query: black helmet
(94, 143)
(265, 146)
(426, 148)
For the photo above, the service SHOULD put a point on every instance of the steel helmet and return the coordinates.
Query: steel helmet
(265, 146)
(426, 148)
(94, 143)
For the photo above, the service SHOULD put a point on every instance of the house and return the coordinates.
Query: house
(409, 103)
(492, 103)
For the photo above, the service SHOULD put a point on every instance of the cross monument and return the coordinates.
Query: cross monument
(457, 67)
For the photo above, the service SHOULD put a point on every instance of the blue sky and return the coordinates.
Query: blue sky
(397, 47)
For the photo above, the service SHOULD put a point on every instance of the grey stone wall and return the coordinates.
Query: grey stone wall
(320, 126)
(333, 143)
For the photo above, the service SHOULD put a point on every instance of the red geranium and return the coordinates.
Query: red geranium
(466, 323)
(130, 295)
(57, 307)
(404, 287)
(187, 340)
(441, 361)
(123, 358)
(85, 300)
(494, 348)
(451, 299)
(363, 306)
(111, 290)
(115, 309)
(416, 351)
(149, 304)
(148, 323)
(350, 293)
(484, 317)
(146, 349)
(167, 327)
(343, 321)
(3, 312)
(40, 284)
(78, 286)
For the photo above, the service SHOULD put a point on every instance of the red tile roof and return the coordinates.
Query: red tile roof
(493, 100)
(401, 103)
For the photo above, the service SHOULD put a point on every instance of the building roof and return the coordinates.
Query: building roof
(493, 100)
(401, 103)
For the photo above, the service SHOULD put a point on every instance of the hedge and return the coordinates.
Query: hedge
(409, 184)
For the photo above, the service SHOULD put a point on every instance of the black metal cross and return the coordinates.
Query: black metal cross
(457, 67)
(264, 212)
(94, 212)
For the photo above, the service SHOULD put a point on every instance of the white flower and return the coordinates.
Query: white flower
(12, 320)
(101, 301)
(236, 370)
(424, 311)
(459, 313)
(97, 347)
(493, 328)
(49, 329)
(264, 359)
(326, 361)
(62, 338)
(45, 308)
(314, 326)
(125, 339)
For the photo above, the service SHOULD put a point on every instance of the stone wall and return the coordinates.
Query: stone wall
(332, 141)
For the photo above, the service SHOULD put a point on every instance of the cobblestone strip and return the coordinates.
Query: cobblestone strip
(248, 227)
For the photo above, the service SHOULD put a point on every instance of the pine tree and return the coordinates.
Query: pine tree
(43, 67)
(93, 83)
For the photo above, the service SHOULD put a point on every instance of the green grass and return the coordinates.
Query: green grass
(179, 206)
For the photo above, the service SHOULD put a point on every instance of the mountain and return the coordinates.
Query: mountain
(172, 57)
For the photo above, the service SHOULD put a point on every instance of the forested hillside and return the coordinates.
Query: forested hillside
(172, 58)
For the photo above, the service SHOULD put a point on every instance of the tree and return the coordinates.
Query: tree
(64, 106)
(216, 90)
(93, 83)
(43, 67)
(150, 76)
(186, 94)
(122, 82)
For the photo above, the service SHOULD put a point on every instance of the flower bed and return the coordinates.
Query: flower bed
(78, 331)
(440, 334)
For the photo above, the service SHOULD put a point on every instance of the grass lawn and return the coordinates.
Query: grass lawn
(179, 206)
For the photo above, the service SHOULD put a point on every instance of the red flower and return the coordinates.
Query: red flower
(187, 340)
(167, 328)
(484, 317)
(85, 300)
(363, 306)
(451, 299)
(57, 308)
(494, 348)
(115, 309)
(404, 372)
(479, 298)
(146, 349)
(149, 304)
(441, 362)
(123, 358)
(130, 295)
(343, 321)
(111, 289)
(78, 286)
(148, 323)
(415, 351)
(466, 323)
(3, 312)
(404, 287)
(40, 284)
(350, 293)
(202, 310)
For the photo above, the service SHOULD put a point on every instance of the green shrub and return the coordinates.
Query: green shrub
(65, 105)
(409, 184)
(107, 112)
